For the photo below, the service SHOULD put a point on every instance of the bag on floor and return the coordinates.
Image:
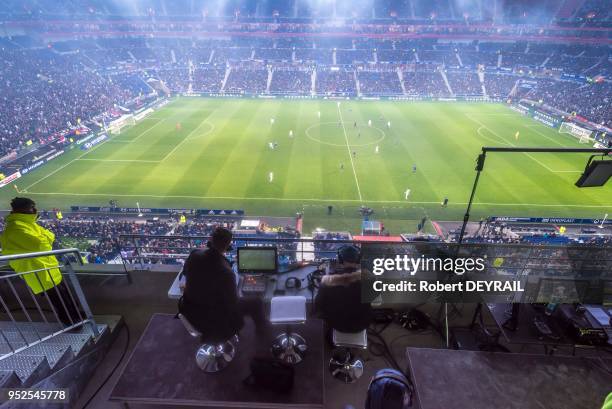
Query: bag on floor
(271, 374)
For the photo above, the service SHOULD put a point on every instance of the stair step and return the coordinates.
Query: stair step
(8, 379)
(30, 326)
(29, 368)
(75, 339)
(53, 352)
(48, 360)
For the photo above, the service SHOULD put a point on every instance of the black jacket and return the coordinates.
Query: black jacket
(210, 299)
(339, 303)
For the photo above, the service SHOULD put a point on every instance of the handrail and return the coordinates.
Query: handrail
(42, 254)
(65, 299)
(353, 241)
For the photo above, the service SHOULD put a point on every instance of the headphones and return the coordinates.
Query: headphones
(209, 245)
(414, 320)
(347, 247)
(397, 376)
(293, 282)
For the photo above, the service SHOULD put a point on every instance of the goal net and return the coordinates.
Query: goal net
(118, 125)
(583, 134)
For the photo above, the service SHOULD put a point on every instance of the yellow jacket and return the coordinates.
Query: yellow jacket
(23, 235)
(608, 402)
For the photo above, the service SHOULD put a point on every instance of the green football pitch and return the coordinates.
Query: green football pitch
(348, 155)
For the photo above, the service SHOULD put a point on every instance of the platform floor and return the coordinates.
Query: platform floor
(148, 295)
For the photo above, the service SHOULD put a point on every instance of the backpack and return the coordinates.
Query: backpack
(389, 389)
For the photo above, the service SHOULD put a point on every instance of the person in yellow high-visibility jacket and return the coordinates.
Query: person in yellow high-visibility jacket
(608, 402)
(23, 235)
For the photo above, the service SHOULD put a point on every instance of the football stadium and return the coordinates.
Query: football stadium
(306, 203)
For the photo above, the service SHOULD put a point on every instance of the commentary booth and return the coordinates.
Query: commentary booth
(541, 359)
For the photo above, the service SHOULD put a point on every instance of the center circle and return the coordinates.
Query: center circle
(333, 134)
(210, 128)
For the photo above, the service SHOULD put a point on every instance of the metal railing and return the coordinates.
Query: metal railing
(161, 249)
(30, 318)
(572, 259)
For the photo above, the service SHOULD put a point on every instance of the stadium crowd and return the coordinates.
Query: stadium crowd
(41, 94)
(100, 236)
(341, 82)
(502, 233)
(45, 90)
(252, 80)
(291, 81)
(591, 100)
(377, 82)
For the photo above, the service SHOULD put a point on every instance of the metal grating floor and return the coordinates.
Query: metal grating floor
(23, 365)
(25, 362)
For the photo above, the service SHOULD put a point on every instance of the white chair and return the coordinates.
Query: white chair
(211, 356)
(344, 365)
(289, 346)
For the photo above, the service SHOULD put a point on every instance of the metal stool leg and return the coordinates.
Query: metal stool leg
(215, 357)
(289, 347)
(344, 366)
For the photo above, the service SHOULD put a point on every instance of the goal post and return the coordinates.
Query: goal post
(583, 134)
(116, 126)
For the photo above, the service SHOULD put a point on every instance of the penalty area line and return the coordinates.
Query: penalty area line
(83, 154)
(513, 145)
(189, 137)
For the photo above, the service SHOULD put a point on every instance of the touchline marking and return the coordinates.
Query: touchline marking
(120, 160)
(308, 199)
(348, 148)
(73, 160)
(511, 144)
(187, 138)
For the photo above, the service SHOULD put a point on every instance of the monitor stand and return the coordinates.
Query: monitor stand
(511, 323)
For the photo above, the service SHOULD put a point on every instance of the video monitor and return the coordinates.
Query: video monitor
(257, 260)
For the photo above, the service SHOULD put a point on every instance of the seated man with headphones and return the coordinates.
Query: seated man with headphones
(210, 300)
(339, 299)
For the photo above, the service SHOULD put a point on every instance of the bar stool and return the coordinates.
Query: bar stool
(344, 365)
(212, 355)
(289, 346)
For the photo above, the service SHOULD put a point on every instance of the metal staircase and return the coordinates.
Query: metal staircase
(269, 80)
(51, 339)
(445, 79)
(400, 75)
(225, 77)
(36, 362)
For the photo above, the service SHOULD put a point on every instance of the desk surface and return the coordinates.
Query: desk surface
(162, 370)
(278, 283)
(483, 380)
